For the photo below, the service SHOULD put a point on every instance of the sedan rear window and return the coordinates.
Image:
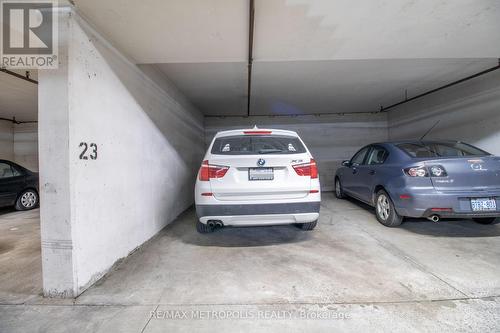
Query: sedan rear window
(440, 149)
(257, 144)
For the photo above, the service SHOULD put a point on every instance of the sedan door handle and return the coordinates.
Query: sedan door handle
(354, 170)
(371, 172)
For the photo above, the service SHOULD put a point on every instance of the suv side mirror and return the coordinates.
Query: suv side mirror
(346, 163)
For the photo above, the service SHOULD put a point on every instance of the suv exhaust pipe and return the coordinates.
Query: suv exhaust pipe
(434, 218)
(215, 224)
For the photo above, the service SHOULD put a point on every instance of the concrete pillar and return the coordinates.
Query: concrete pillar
(55, 211)
(119, 150)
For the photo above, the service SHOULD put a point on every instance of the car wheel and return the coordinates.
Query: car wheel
(203, 228)
(339, 193)
(308, 226)
(385, 211)
(27, 200)
(485, 220)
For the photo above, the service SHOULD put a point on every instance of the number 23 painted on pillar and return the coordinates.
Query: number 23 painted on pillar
(86, 152)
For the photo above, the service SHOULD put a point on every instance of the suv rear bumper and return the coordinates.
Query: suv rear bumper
(260, 214)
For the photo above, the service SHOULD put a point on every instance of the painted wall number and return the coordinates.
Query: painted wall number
(88, 151)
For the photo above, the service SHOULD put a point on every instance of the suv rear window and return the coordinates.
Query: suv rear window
(257, 144)
(440, 149)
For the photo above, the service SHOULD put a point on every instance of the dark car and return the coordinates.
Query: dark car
(18, 186)
(431, 179)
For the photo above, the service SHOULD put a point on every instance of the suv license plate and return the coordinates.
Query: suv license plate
(260, 174)
(483, 204)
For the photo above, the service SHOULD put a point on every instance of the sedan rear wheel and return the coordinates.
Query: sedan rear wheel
(485, 220)
(27, 200)
(385, 211)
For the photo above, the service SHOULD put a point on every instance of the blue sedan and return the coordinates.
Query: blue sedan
(430, 179)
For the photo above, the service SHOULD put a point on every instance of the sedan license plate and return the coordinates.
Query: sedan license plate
(483, 204)
(260, 174)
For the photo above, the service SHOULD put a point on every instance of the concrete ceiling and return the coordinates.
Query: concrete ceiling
(343, 86)
(376, 29)
(184, 31)
(310, 56)
(18, 98)
(214, 88)
(166, 31)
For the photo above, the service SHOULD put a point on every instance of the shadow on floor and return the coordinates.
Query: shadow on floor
(7, 210)
(443, 228)
(359, 204)
(451, 228)
(184, 228)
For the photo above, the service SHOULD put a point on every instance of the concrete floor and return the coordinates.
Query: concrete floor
(353, 271)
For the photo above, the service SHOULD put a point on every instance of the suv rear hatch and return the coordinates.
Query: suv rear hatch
(261, 167)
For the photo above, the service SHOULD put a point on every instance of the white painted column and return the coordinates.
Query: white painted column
(59, 278)
(119, 151)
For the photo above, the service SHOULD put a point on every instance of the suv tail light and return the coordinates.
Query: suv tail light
(257, 132)
(422, 171)
(208, 171)
(307, 169)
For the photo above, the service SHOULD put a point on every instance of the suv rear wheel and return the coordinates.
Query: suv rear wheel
(385, 211)
(203, 228)
(307, 226)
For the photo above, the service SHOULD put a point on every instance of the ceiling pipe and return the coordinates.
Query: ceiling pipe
(251, 25)
(19, 76)
(14, 121)
(406, 100)
(382, 108)
(294, 115)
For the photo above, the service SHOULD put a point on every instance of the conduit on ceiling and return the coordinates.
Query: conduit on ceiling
(382, 108)
(19, 76)
(251, 25)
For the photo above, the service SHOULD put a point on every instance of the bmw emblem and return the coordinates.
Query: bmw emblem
(261, 162)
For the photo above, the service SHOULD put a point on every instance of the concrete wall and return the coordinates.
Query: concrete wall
(469, 112)
(26, 145)
(331, 139)
(149, 143)
(19, 143)
(6, 140)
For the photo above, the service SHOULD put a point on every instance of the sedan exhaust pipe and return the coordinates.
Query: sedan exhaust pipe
(434, 218)
(219, 224)
(211, 224)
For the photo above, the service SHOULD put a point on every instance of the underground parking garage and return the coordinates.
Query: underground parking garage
(119, 129)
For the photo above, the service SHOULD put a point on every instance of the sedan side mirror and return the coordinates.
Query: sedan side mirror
(346, 163)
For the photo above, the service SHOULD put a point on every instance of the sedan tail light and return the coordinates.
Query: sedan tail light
(437, 171)
(419, 171)
(209, 171)
(422, 171)
(307, 169)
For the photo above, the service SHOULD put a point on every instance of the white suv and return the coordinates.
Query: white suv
(257, 177)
